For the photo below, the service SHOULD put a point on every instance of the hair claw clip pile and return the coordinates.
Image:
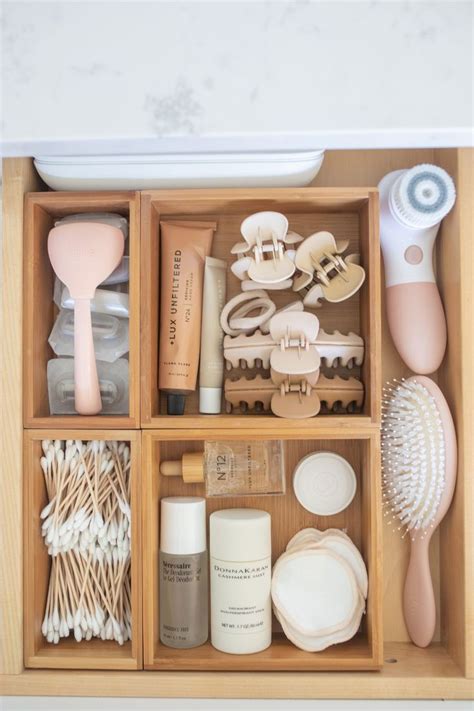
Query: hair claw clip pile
(287, 343)
(292, 351)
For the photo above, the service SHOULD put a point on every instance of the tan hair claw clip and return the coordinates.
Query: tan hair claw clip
(257, 349)
(294, 333)
(325, 274)
(295, 398)
(263, 257)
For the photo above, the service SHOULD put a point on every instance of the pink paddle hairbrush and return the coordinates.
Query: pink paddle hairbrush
(82, 255)
(419, 461)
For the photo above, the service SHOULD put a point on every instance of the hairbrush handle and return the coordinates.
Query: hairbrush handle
(419, 606)
(86, 380)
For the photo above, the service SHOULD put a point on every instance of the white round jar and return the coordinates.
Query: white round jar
(240, 567)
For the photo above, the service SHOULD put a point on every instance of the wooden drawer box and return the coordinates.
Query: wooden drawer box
(41, 210)
(446, 668)
(69, 654)
(361, 520)
(348, 214)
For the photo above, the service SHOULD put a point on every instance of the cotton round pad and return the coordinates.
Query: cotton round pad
(335, 583)
(312, 535)
(349, 552)
(324, 483)
(346, 550)
(336, 532)
(318, 643)
(315, 591)
(306, 535)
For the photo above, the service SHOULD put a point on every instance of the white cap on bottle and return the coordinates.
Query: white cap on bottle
(210, 400)
(240, 534)
(183, 525)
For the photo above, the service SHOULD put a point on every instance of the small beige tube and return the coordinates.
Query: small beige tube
(211, 367)
(184, 248)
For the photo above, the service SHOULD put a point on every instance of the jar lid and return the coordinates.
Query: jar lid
(240, 535)
(324, 483)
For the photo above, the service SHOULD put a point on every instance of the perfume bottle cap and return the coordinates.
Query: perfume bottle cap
(191, 468)
(240, 534)
(183, 525)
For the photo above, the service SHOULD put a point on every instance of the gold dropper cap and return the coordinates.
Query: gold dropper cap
(191, 468)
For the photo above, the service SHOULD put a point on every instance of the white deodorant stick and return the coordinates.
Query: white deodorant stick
(241, 612)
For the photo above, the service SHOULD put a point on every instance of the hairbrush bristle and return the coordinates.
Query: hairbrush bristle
(413, 456)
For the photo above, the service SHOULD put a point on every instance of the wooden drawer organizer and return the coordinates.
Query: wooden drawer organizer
(68, 654)
(41, 210)
(361, 520)
(446, 668)
(349, 214)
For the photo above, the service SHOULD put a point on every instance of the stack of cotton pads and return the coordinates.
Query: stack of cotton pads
(319, 589)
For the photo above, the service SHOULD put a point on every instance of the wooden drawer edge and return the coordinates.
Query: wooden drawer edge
(363, 685)
(417, 674)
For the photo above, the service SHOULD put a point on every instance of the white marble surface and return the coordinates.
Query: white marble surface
(92, 77)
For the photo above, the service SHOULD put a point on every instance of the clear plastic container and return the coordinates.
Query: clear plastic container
(110, 335)
(113, 383)
(105, 301)
(120, 275)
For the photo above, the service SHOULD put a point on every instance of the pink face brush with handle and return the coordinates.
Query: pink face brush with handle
(82, 255)
(412, 204)
(419, 461)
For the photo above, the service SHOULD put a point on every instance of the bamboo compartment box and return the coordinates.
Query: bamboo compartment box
(348, 213)
(380, 661)
(95, 654)
(41, 210)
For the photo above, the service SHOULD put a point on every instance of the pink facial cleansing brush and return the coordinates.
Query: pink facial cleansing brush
(412, 204)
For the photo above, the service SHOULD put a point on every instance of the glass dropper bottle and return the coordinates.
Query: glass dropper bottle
(233, 468)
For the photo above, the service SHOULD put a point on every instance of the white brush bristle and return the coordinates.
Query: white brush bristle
(422, 196)
(413, 456)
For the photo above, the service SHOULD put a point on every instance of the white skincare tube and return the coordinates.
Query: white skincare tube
(211, 367)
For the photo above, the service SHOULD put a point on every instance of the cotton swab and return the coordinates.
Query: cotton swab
(86, 527)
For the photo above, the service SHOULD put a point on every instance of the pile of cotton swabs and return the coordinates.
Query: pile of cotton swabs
(86, 526)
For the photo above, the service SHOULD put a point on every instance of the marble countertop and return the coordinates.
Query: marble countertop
(133, 77)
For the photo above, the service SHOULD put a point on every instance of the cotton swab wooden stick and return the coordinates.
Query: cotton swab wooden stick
(87, 528)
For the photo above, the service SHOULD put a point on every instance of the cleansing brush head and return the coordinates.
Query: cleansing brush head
(422, 196)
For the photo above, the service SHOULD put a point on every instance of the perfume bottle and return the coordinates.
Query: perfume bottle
(233, 468)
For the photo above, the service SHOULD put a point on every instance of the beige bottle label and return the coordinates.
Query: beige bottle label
(241, 602)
